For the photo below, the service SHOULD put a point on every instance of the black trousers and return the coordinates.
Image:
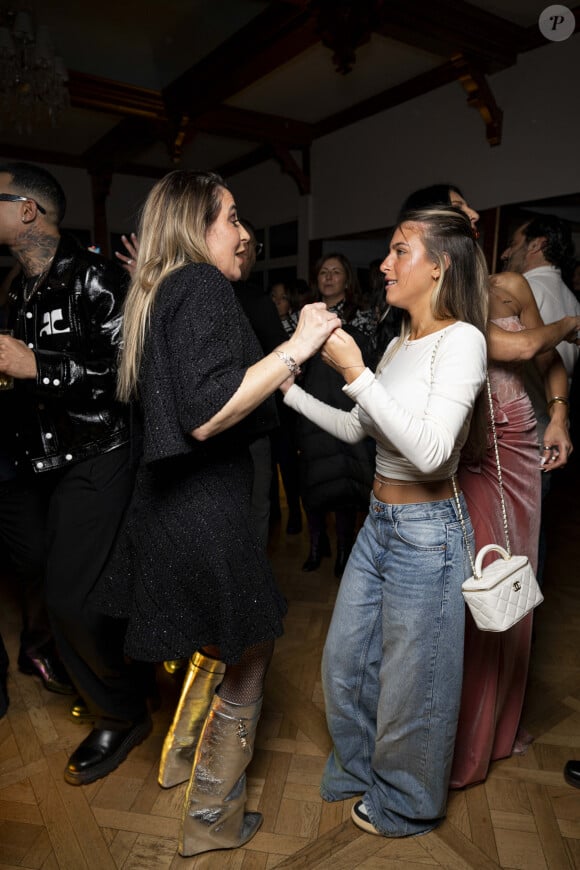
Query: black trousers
(26, 555)
(76, 512)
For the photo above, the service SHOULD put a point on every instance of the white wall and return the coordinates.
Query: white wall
(362, 173)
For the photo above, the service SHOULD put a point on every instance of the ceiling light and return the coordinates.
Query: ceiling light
(33, 80)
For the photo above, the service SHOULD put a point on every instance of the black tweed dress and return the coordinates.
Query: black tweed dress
(187, 569)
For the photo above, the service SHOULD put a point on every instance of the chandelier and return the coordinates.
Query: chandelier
(33, 80)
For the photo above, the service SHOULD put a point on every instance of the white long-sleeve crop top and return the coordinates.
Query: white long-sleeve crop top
(418, 408)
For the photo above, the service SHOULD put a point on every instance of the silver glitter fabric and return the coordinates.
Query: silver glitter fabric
(214, 815)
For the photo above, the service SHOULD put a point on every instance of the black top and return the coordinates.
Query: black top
(196, 355)
(188, 569)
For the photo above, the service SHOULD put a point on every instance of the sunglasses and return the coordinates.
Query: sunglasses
(14, 197)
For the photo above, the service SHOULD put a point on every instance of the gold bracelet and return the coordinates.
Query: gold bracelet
(558, 400)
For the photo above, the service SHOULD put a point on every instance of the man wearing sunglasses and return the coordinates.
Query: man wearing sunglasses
(70, 441)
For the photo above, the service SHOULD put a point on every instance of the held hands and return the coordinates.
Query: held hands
(16, 359)
(315, 325)
(342, 353)
(132, 246)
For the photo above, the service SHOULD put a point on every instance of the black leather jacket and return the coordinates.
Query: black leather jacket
(72, 322)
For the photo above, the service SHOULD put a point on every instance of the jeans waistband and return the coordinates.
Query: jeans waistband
(446, 509)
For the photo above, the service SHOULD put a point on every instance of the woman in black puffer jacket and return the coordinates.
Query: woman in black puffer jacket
(334, 476)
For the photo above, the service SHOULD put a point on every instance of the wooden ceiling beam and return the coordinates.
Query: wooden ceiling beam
(480, 97)
(290, 166)
(415, 87)
(131, 136)
(279, 33)
(255, 127)
(247, 161)
(271, 39)
(41, 155)
(115, 98)
(195, 101)
(451, 27)
(144, 105)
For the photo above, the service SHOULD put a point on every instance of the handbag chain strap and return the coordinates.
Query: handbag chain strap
(508, 545)
(500, 484)
(498, 464)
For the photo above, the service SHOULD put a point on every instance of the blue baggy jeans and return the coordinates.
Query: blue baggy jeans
(392, 665)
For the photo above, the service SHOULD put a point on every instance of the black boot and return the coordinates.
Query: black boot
(294, 525)
(342, 553)
(572, 773)
(45, 663)
(103, 750)
(319, 547)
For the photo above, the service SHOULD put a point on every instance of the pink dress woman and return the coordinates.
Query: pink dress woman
(496, 664)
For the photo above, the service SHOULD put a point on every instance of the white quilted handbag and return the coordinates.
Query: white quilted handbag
(502, 593)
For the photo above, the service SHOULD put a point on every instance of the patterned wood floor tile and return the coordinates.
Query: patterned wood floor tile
(523, 816)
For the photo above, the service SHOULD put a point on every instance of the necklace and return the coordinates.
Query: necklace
(28, 294)
(408, 342)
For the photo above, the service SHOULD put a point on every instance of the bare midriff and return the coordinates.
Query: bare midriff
(391, 491)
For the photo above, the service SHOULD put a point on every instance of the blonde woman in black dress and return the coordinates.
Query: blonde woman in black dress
(188, 573)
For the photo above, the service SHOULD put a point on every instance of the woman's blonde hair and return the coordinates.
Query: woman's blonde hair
(461, 292)
(173, 226)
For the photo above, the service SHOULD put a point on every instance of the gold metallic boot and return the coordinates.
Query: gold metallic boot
(203, 676)
(213, 814)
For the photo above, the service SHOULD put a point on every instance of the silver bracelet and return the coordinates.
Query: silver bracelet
(289, 361)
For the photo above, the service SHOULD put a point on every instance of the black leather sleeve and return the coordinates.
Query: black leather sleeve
(87, 368)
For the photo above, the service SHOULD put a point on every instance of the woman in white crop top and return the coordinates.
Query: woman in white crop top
(392, 663)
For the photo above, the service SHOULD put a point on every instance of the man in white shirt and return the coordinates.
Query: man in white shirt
(539, 249)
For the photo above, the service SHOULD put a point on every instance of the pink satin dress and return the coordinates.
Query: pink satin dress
(496, 664)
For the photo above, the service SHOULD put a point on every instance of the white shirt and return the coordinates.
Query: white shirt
(418, 408)
(554, 301)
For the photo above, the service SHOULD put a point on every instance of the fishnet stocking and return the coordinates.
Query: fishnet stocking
(243, 683)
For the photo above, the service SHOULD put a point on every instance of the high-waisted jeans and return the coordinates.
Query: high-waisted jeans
(392, 665)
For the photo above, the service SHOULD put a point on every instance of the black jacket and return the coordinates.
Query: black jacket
(72, 322)
(264, 320)
(334, 475)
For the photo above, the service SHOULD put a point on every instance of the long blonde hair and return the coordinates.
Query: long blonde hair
(172, 233)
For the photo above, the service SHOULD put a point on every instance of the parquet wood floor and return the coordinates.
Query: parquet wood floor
(524, 816)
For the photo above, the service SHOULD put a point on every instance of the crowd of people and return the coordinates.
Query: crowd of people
(144, 411)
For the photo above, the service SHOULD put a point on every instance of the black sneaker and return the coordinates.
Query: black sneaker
(361, 819)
